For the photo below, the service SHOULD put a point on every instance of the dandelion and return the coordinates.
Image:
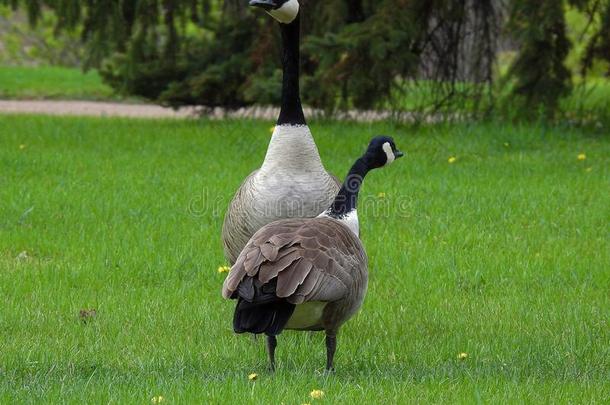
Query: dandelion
(452, 159)
(581, 156)
(157, 400)
(224, 269)
(381, 195)
(316, 394)
(22, 146)
(462, 356)
(252, 377)
(23, 256)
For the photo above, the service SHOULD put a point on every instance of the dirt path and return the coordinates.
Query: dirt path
(108, 109)
(92, 108)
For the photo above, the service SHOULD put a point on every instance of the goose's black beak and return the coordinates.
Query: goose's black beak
(398, 154)
(264, 4)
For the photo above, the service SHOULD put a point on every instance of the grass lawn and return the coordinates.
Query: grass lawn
(52, 82)
(502, 254)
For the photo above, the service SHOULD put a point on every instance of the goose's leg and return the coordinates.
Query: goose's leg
(331, 347)
(271, 345)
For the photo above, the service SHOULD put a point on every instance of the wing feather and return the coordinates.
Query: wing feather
(270, 270)
(311, 259)
(270, 251)
(289, 281)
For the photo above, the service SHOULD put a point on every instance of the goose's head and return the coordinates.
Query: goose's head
(381, 152)
(284, 11)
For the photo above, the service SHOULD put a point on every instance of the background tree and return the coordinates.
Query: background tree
(356, 53)
(541, 77)
(598, 47)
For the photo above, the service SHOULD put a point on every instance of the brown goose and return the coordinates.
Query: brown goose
(308, 273)
(292, 182)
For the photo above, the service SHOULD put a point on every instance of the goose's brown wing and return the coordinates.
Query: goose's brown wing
(305, 259)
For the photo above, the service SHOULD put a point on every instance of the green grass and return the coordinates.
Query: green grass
(502, 255)
(592, 97)
(52, 82)
(589, 101)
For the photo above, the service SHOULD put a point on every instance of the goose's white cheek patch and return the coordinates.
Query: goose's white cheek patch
(388, 152)
(287, 13)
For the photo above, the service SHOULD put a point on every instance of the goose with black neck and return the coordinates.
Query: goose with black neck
(292, 181)
(308, 273)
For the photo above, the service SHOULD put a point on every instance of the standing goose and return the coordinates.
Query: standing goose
(308, 273)
(292, 181)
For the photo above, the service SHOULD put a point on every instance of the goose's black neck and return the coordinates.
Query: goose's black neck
(347, 198)
(291, 111)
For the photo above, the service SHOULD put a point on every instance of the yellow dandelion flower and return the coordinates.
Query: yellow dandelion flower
(224, 269)
(316, 394)
(252, 377)
(452, 159)
(381, 195)
(462, 356)
(22, 146)
(157, 400)
(581, 156)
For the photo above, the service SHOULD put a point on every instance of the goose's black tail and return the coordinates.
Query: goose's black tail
(268, 318)
(259, 310)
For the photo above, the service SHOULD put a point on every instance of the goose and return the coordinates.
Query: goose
(307, 274)
(292, 181)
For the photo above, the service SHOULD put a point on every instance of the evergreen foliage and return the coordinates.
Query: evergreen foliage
(356, 53)
(541, 77)
(21, 44)
(599, 46)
